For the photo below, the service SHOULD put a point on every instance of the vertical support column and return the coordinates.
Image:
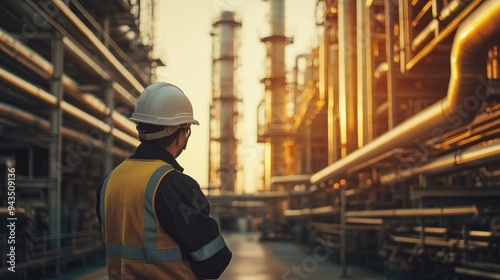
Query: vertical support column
(465, 237)
(389, 51)
(324, 53)
(422, 180)
(308, 150)
(109, 101)
(343, 186)
(333, 95)
(405, 51)
(421, 235)
(347, 77)
(362, 89)
(368, 115)
(72, 211)
(55, 147)
(267, 166)
(108, 138)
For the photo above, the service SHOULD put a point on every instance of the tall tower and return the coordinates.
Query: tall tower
(279, 147)
(223, 113)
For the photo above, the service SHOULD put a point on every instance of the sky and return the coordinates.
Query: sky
(183, 41)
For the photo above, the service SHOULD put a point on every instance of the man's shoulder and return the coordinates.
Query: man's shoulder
(179, 179)
(177, 187)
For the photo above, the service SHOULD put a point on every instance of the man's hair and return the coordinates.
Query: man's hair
(151, 128)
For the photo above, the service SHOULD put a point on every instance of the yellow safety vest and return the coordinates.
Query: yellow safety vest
(136, 245)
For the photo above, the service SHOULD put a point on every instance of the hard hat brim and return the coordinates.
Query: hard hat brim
(178, 120)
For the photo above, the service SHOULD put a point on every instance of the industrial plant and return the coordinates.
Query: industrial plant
(381, 144)
(391, 156)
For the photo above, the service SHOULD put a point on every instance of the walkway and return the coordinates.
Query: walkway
(256, 260)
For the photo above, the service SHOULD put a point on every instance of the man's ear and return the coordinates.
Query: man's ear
(178, 139)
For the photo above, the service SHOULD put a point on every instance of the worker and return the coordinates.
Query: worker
(155, 219)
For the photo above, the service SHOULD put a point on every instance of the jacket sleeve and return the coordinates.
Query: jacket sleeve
(184, 213)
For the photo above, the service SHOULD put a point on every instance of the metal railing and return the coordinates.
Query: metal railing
(41, 251)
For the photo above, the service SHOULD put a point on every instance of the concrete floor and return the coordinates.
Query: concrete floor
(253, 259)
(256, 260)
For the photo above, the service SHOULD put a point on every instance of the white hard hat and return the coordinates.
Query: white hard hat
(163, 104)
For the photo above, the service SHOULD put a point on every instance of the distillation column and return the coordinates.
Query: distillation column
(279, 147)
(223, 161)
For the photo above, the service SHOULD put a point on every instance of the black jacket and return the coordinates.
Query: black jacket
(183, 212)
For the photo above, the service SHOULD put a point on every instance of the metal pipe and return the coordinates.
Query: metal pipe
(427, 32)
(17, 50)
(448, 112)
(66, 107)
(404, 35)
(362, 74)
(127, 96)
(392, 119)
(418, 212)
(296, 76)
(368, 121)
(323, 67)
(470, 157)
(366, 221)
(482, 265)
(453, 7)
(308, 150)
(18, 115)
(83, 57)
(22, 53)
(291, 179)
(25, 55)
(55, 146)
(343, 234)
(477, 273)
(99, 45)
(83, 116)
(108, 41)
(443, 33)
(108, 138)
(7, 111)
(432, 241)
(380, 70)
(333, 111)
(347, 76)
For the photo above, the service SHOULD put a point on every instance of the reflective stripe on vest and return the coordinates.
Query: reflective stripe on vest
(142, 254)
(149, 253)
(210, 249)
